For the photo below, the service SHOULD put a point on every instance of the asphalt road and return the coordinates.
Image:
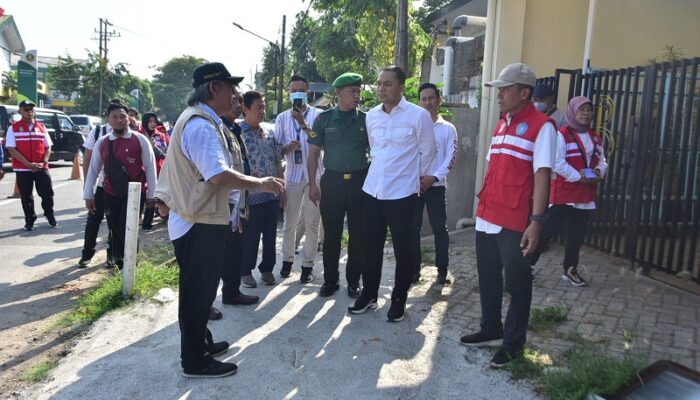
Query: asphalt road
(38, 274)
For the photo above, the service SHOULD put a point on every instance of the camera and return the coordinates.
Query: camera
(297, 104)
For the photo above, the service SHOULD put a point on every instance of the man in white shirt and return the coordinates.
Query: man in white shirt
(402, 148)
(290, 133)
(511, 209)
(433, 185)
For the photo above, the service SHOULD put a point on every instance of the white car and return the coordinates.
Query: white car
(86, 123)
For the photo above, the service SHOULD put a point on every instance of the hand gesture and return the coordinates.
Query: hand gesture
(531, 238)
(272, 185)
(314, 194)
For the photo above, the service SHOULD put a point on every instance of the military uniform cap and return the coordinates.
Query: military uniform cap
(347, 79)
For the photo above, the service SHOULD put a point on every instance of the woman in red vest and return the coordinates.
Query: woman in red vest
(580, 165)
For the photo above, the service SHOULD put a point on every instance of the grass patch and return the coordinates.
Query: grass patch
(107, 296)
(545, 318)
(530, 366)
(37, 372)
(344, 240)
(588, 370)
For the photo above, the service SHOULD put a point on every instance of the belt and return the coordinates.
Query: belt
(348, 176)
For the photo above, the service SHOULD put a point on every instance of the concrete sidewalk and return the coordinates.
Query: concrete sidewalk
(295, 344)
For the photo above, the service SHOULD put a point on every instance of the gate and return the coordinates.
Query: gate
(648, 208)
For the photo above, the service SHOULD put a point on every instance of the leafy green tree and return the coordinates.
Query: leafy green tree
(145, 94)
(173, 84)
(69, 76)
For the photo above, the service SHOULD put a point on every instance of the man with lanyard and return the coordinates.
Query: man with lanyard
(194, 188)
(543, 99)
(29, 145)
(94, 219)
(133, 150)
(402, 144)
(289, 133)
(342, 135)
(433, 185)
(511, 208)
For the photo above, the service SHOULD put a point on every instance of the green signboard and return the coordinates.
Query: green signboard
(26, 77)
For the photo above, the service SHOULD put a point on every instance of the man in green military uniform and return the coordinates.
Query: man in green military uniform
(342, 135)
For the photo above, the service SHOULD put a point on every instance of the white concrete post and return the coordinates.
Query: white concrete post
(131, 236)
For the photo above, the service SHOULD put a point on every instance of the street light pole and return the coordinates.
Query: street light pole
(279, 61)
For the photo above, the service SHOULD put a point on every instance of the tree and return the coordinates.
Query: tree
(69, 76)
(173, 84)
(348, 36)
(145, 98)
(9, 84)
(429, 7)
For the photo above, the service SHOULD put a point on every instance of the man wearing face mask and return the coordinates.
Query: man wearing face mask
(135, 154)
(543, 100)
(290, 133)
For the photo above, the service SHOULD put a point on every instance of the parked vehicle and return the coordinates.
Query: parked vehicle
(86, 123)
(66, 136)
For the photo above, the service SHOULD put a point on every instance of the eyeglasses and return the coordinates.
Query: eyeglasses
(584, 110)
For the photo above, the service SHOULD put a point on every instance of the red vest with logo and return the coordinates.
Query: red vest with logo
(563, 192)
(506, 197)
(29, 143)
(128, 151)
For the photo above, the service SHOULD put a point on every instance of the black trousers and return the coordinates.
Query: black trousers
(434, 200)
(262, 221)
(92, 227)
(494, 253)
(399, 216)
(115, 211)
(231, 271)
(576, 222)
(341, 197)
(26, 180)
(200, 254)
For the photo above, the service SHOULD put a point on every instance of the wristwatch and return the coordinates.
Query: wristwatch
(537, 218)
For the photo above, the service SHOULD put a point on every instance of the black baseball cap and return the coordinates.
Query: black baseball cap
(26, 103)
(213, 72)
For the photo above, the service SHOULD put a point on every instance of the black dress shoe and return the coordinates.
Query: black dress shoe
(52, 220)
(362, 304)
(416, 278)
(286, 269)
(215, 315)
(215, 369)
(353, 291)
(240, 300)
(327, 289)
(217, 349)
(29, 223)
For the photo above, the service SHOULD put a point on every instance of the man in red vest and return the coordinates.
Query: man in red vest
(30, 146)
(511, 209)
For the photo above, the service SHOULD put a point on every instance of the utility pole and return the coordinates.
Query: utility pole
(105, 36)
(401, 45)
(281, 67)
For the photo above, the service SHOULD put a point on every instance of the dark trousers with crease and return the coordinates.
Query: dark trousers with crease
(231, 271)
(575, 220)
(26, 180)
(398, 215)
(434, 200)
(494, 254)
(340, 196)
(262, 221)
(201, 255)
(115, 210)
(92, 227)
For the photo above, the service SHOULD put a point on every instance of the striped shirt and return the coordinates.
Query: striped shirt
(286, 130)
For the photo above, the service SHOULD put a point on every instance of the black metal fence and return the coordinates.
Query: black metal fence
(648, 206)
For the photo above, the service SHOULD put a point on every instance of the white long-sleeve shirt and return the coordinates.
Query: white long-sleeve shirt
(563, 168)
(402, 149)
(446, 150)
(148, 160)
(287, 130)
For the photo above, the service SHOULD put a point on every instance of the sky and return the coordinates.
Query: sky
(154, 31)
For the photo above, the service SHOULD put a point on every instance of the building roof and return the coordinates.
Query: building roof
(8, 29)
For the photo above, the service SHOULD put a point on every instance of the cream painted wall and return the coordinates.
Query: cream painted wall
(554, 34)
(630, 32)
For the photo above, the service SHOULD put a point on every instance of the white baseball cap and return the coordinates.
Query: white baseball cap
(512, 74)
